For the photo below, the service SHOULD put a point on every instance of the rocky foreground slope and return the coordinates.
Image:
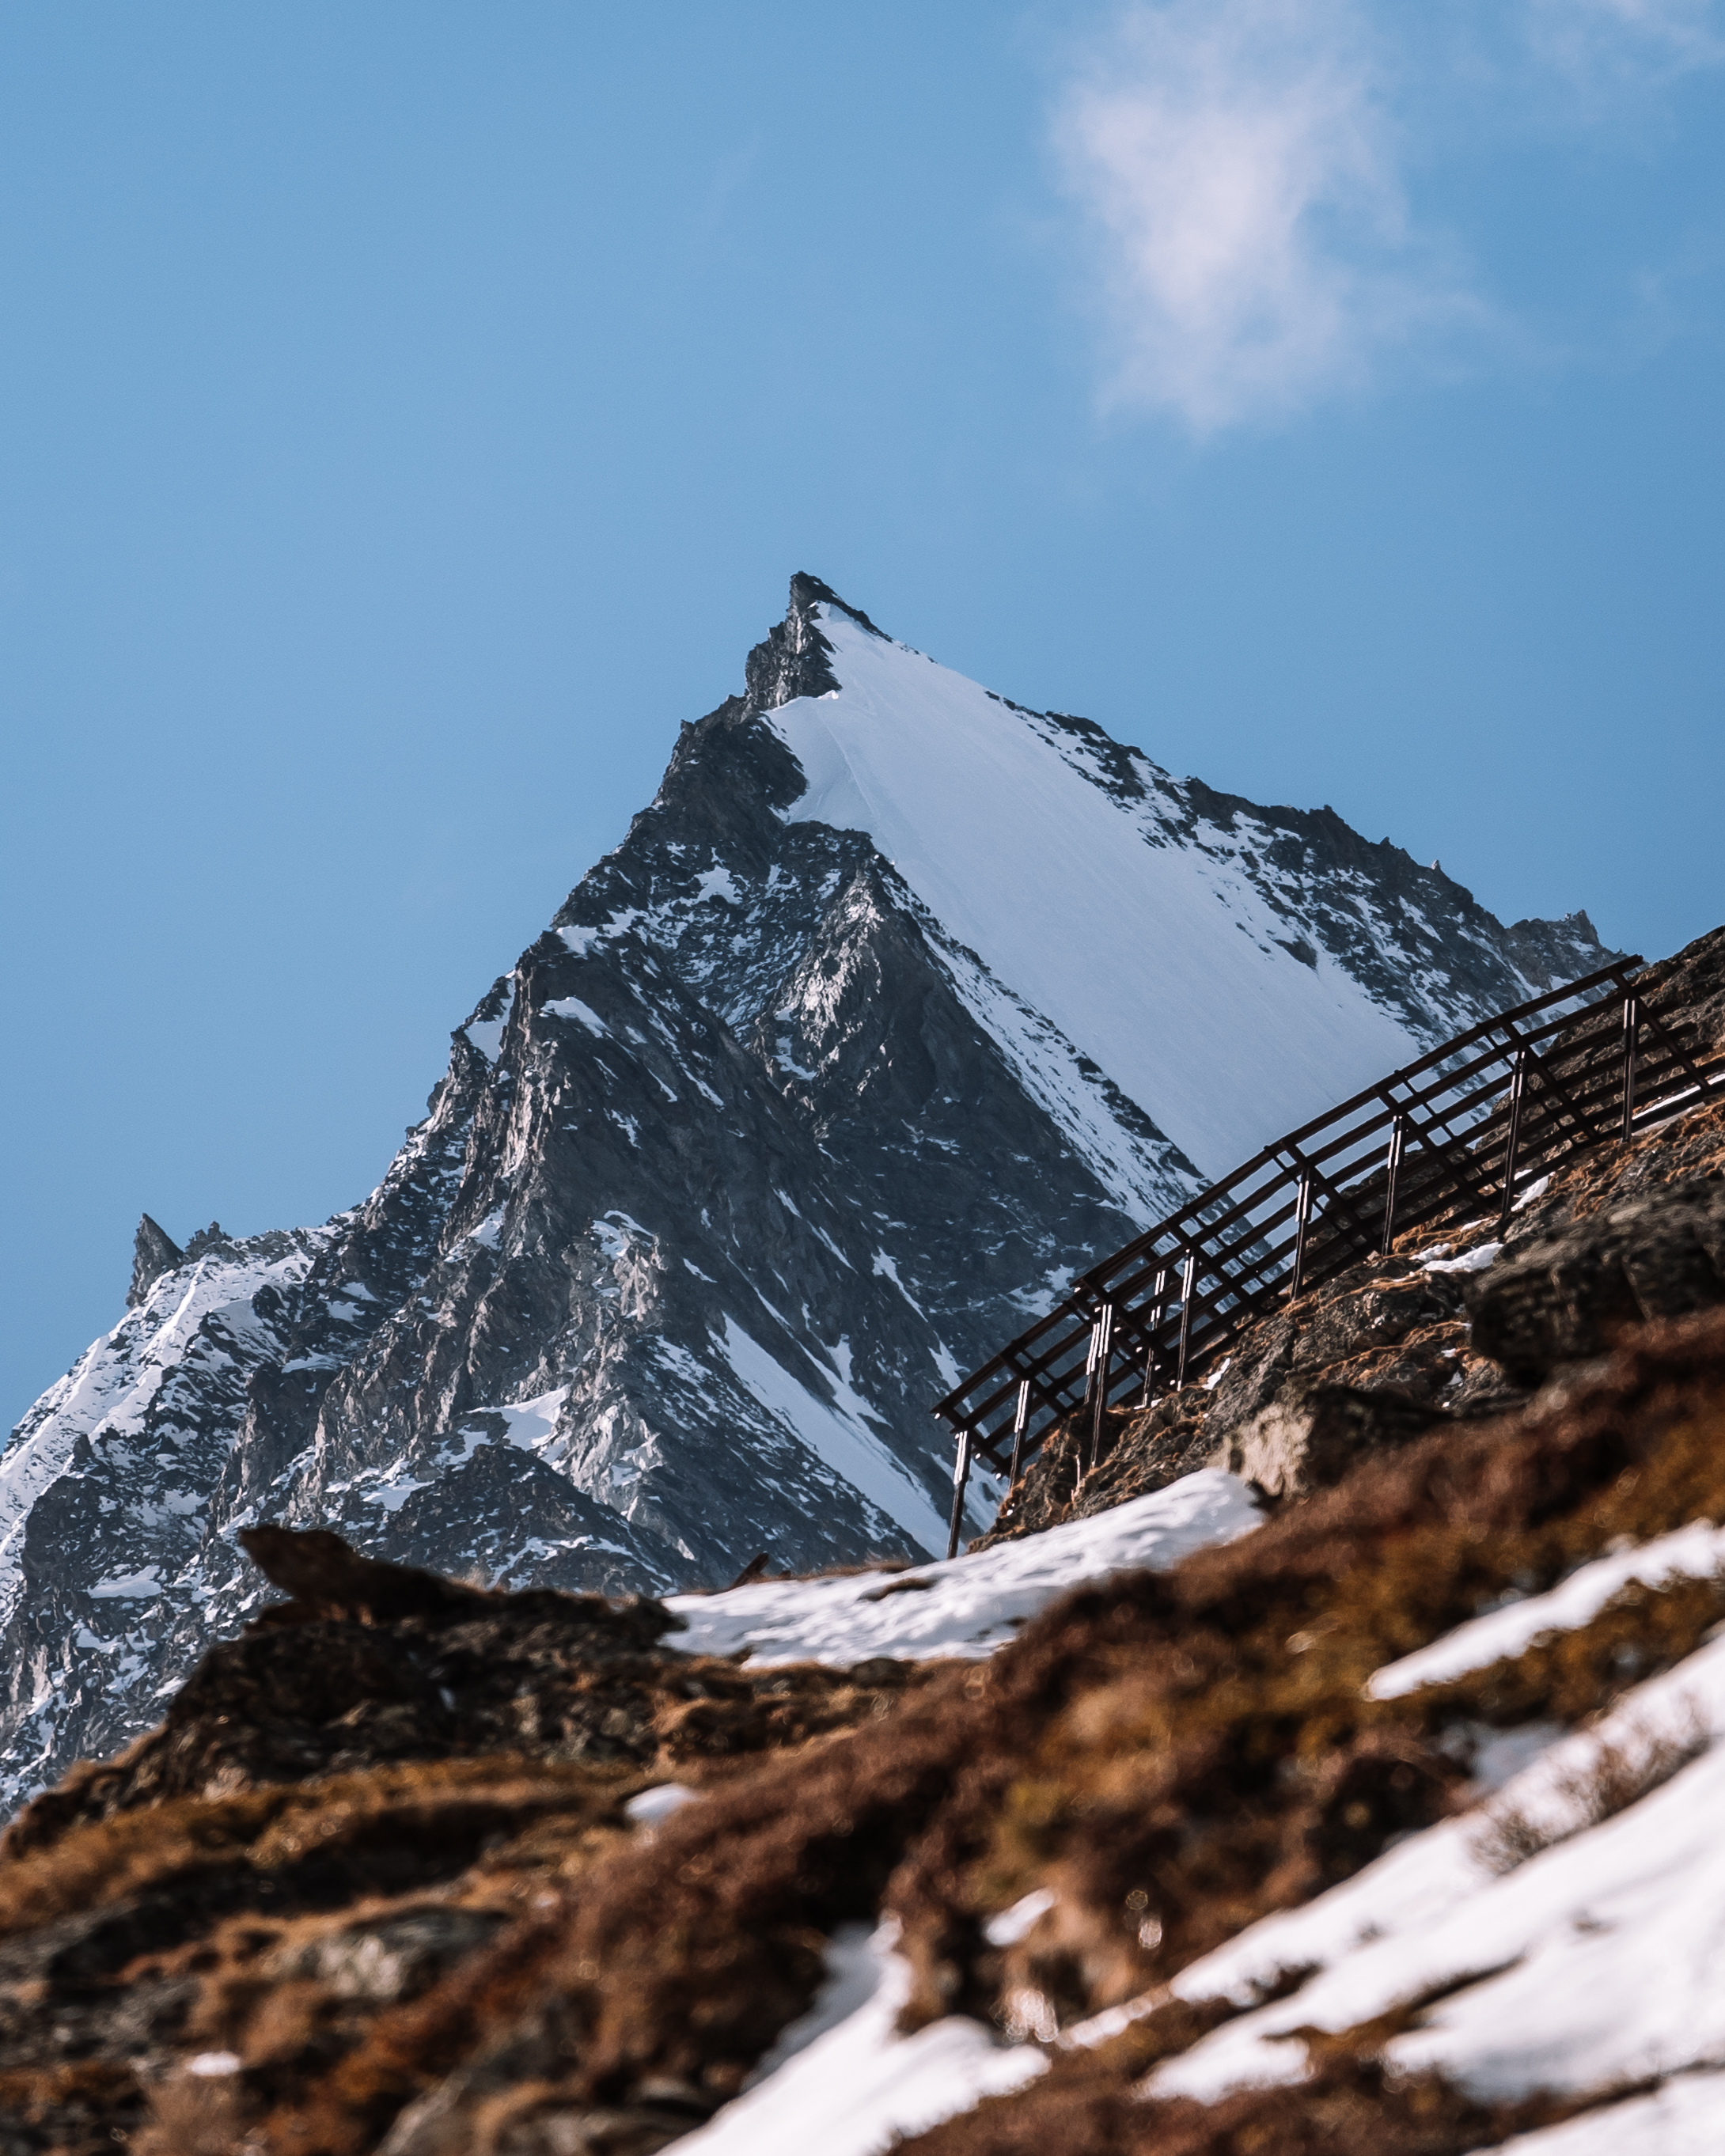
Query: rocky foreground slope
(898, 1003)
(1385, 1824)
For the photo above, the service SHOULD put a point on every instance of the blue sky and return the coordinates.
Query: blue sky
(410, 413)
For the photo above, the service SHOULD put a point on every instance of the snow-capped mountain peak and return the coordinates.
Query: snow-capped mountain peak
(896, 1006)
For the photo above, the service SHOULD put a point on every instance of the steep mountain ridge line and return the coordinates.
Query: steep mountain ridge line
(692, 1231)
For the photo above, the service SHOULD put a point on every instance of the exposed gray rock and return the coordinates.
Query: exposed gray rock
(731, 1175)
(394, 1957)
(1310, 1435)
(154, 1252)
(1565, 1297)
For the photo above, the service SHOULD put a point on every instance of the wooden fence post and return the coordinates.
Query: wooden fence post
(1186, 1287)
(1021, 1415)
(1631, 1042)
(1517, 1088)
(1104, 1354)
(1302, 1220)
(1398, 1128)
(1158, 1310)
(961, 1476)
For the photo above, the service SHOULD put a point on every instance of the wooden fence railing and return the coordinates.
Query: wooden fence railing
(1452, 1137)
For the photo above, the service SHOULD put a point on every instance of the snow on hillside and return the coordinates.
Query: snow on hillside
(1592, 1965)
(843, 2083)
(1695, 1552)
(967, 1606)
(1081, 896)
(125, 1389)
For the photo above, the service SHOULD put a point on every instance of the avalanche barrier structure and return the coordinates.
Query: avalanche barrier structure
(1453, 1137)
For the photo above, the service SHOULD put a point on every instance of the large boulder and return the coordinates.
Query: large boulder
(1310, 1435)
(1572, 1293)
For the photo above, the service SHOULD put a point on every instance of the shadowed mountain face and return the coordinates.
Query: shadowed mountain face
(898, 1004)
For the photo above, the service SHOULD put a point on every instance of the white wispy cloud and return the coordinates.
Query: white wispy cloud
(1614, 38)
(1242, 166)
(1240, 163)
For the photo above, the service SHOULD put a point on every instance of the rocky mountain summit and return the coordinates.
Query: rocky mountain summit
(898, 1003)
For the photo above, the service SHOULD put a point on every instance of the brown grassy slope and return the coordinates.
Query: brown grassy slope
(1174, 1756)
(1180, 1753)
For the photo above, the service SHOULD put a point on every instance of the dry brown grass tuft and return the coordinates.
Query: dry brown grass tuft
(196, 2118)
(438, 1811)
(1349, 2106)
(1623, 1768)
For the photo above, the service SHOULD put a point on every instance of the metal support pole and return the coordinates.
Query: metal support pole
(1090, 1386)
(961, 1476)
(1398, 1132)
(1158, 1310)
(1098, 1407)
(1021, 1416)
(1631, 1043)
(1518, 1089)
(1186, 1285)
(1302, 1220)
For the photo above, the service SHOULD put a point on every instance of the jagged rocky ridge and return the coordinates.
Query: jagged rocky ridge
(898, 1003)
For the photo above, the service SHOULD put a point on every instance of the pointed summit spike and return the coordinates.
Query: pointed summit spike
(154, 1252)
(807, 591)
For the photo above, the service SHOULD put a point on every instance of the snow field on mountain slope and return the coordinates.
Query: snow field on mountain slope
(838, 1434)
(1143, 951)
(108, 1392)
(967, 1606)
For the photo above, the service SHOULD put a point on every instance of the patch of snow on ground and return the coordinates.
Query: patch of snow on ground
(533, 1423)
(967, 1606)
(490, 1229)
(1695, 1551)
(1686, 2117)
(135, 1587)
(1471, 1262)
(716, 883)
(1608, 1943)
(845, 2083)
(647, 1807)
(571, 1007)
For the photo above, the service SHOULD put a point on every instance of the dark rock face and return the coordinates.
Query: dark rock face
(1357, 1327)
(154, 1253)
(1570, 1295)
(1312, 1435)
(729, 1176)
